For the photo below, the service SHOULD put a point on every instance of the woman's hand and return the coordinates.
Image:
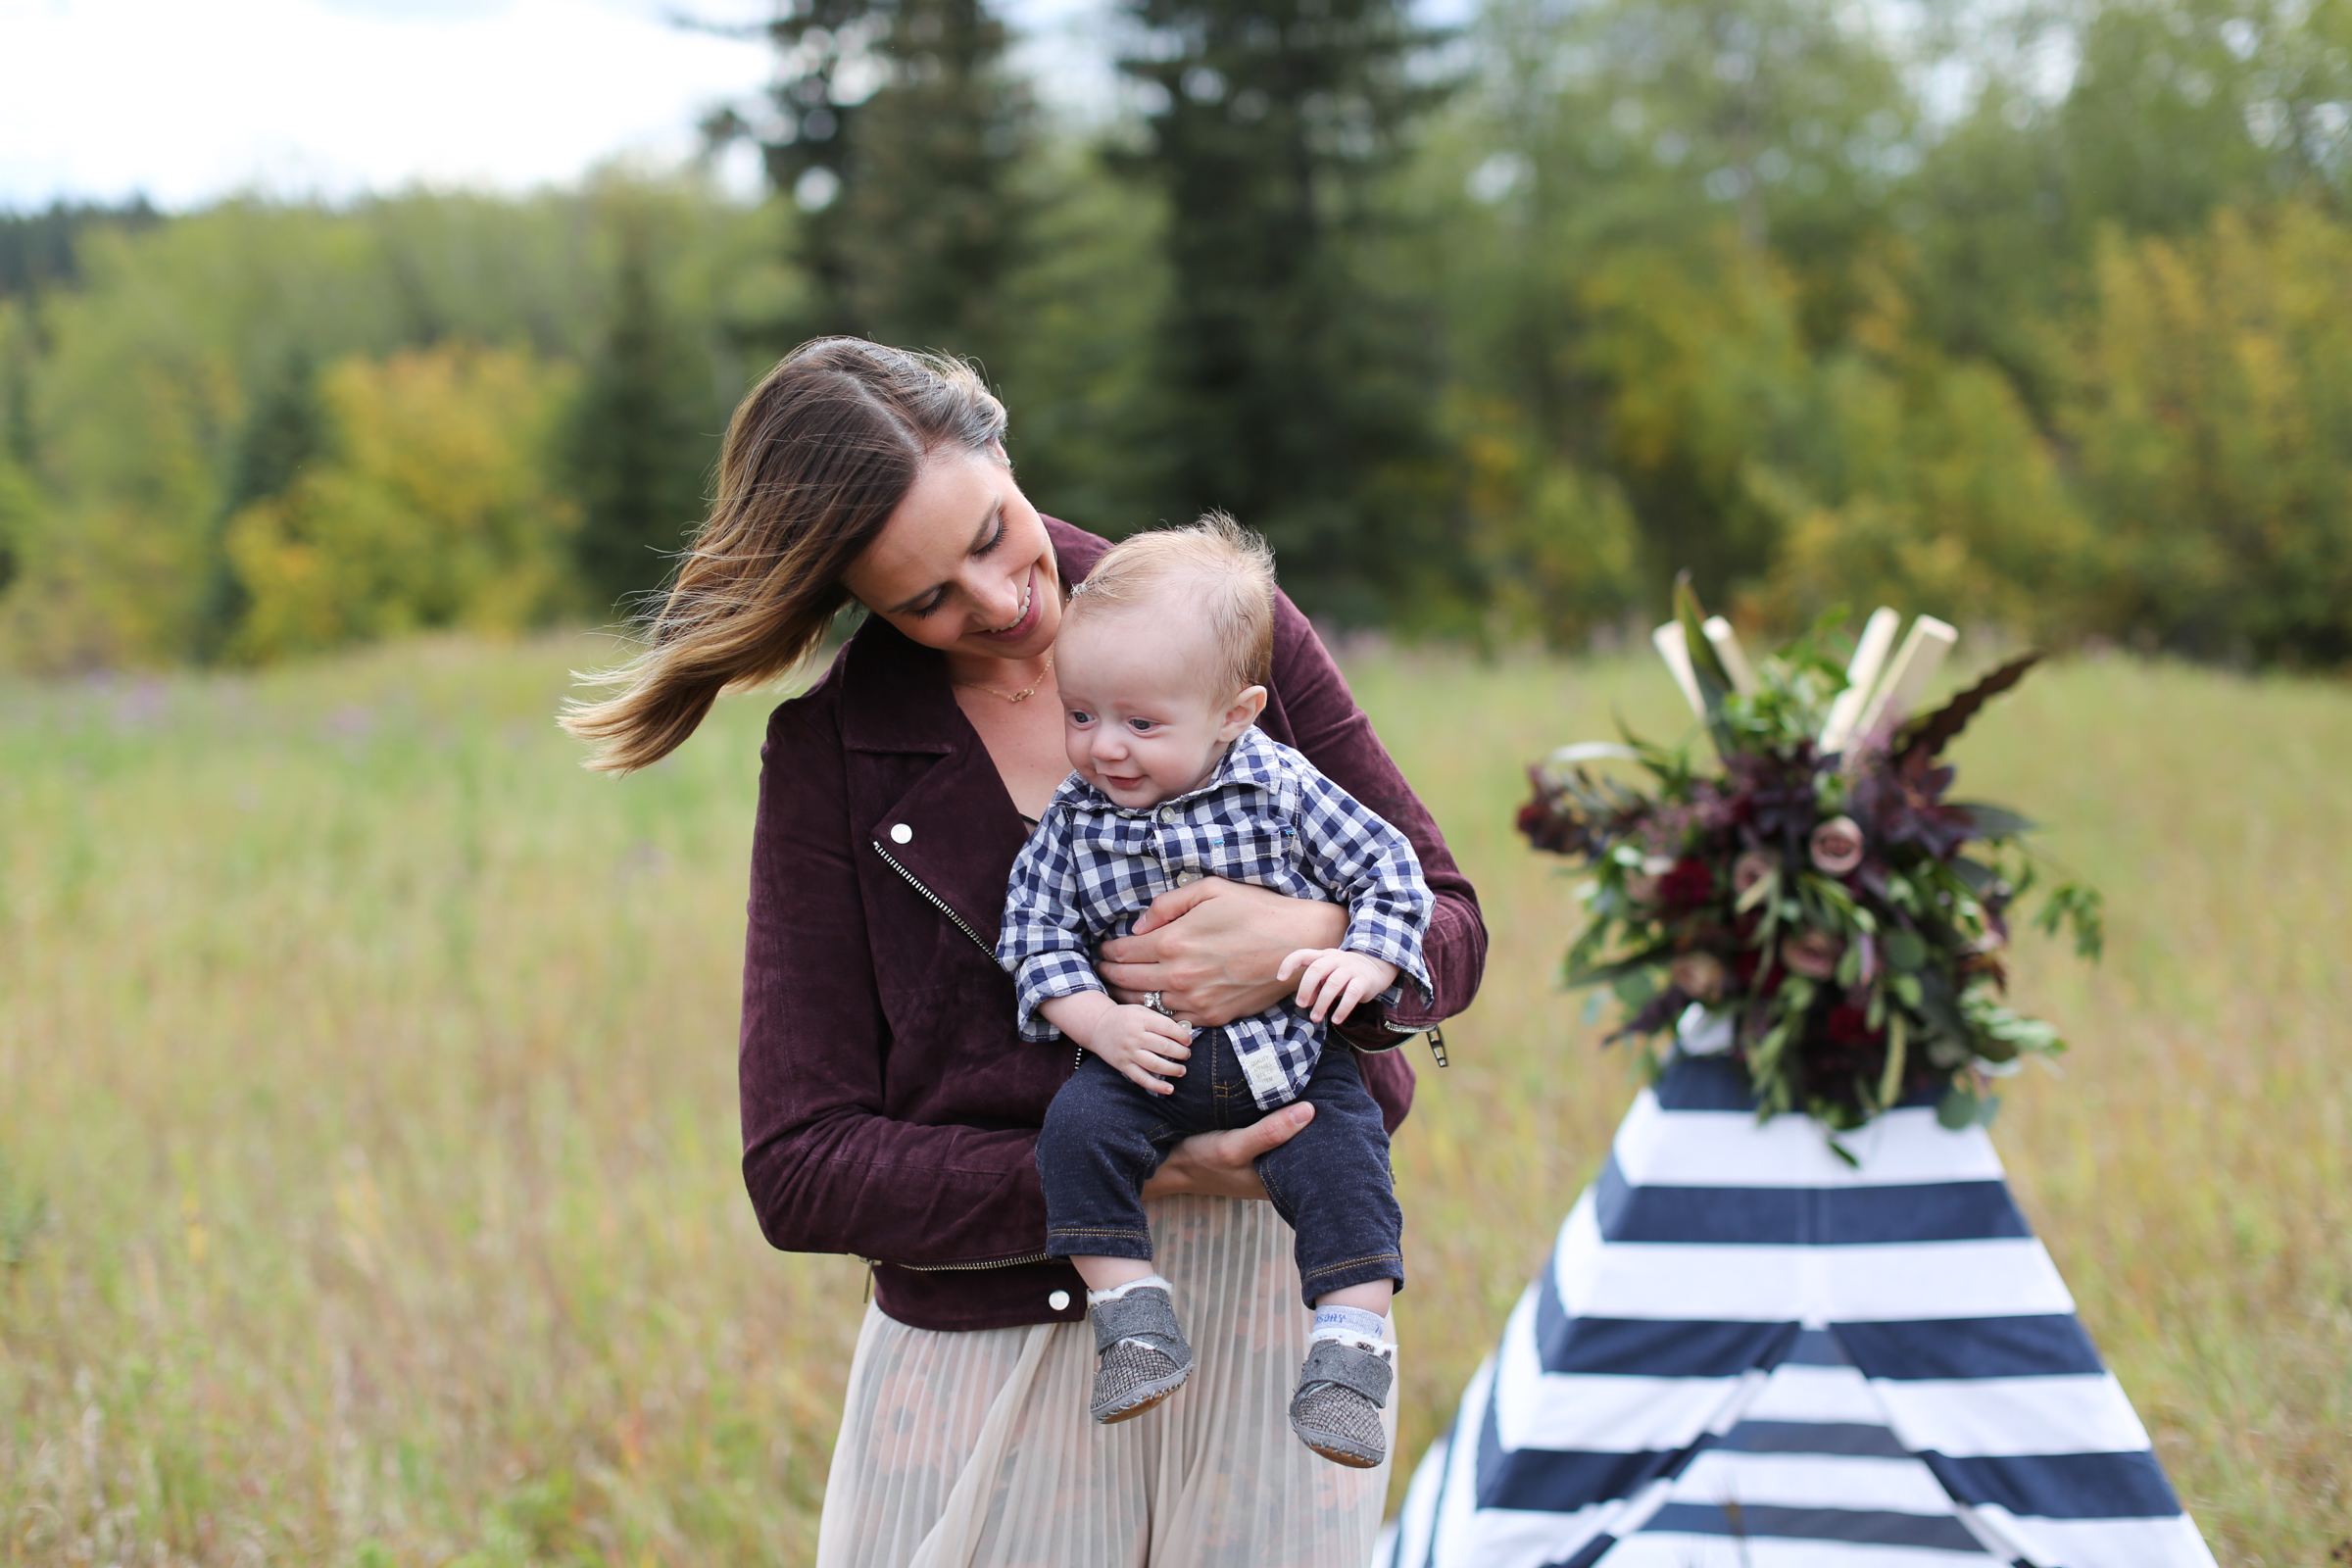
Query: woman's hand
(1211, 949)
(1225, 1164)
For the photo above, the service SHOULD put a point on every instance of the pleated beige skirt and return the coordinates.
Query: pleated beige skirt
(974, 1450)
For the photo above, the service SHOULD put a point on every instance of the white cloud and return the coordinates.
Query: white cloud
(188, 99)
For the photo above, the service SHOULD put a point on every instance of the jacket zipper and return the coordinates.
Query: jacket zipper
(959, 1269)
(964, 926)
(936, 902)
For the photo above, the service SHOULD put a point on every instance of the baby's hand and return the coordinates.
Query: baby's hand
(1145, 1046)
(1335, 980)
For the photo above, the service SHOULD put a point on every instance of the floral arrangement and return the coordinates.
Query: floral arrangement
(1816, 885)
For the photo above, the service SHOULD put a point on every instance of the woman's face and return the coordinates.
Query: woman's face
(963, 564)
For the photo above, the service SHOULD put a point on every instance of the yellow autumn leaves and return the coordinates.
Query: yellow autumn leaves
(434, 507)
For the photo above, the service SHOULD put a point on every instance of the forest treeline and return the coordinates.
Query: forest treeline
(2031, 314)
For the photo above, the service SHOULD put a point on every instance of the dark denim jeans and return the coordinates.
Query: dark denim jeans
(1104, 1138)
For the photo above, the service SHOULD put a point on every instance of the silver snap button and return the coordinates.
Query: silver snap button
(1060, 1301)
(900, 833)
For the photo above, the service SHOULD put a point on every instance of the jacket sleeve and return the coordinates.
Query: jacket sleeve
(1333, 733)
(827, 1171)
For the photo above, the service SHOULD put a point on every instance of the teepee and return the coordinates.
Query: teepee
(1745, 1352)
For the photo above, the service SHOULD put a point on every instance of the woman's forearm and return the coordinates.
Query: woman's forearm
(1212, 950)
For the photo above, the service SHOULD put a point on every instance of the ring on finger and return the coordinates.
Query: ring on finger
(1151, 1000)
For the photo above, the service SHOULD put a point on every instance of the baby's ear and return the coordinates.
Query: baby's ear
(1242, 714)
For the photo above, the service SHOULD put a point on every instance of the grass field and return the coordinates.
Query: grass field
(367, 1107)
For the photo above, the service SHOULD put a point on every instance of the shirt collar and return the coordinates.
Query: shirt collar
(1250, 763)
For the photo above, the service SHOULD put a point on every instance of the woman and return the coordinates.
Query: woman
(889, 1110)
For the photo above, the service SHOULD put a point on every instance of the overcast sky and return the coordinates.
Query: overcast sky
(187, 100)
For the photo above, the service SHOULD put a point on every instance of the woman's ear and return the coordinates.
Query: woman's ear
(1242, 714)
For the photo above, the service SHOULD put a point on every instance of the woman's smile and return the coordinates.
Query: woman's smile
(1023, 624)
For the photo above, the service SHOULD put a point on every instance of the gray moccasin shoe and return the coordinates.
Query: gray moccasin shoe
(1141, 1356)
(1341, 1391)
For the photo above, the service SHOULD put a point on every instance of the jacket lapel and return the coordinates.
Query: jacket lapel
(922, 787)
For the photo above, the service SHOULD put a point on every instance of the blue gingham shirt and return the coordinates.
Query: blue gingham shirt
(1264, 816)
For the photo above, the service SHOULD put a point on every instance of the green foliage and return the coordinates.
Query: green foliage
(2212, 412)
(38, 250)
(1492, 333)
(903, 133)
(170, 388)
(638, 441)
(1288, 389)
(433, 509)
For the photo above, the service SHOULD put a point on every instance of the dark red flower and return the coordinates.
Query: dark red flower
(1849, 1025)
(1688, 884)
(1551, 821)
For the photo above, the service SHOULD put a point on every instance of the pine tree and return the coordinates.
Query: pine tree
(636, 452)
(1295, 395)
(285, 429)
(902, 131)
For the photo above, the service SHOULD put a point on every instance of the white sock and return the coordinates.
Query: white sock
(1352, 1325)
(1094, 1298)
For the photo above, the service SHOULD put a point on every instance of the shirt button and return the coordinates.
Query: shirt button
(1185, 879)
(1167, 813)
(1060, 1301)
(900, 833)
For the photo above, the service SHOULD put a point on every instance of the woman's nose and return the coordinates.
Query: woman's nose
(1000, 603)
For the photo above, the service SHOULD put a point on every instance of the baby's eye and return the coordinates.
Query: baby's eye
(1141, 726)
(1079, 715)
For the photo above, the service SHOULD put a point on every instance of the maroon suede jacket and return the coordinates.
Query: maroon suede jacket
(889, 1109)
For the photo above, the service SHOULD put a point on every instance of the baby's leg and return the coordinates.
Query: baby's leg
(1337, 1193)
(1332, 1183)
(1104, 1137)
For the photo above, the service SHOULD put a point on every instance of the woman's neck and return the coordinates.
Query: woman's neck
(1004, 676)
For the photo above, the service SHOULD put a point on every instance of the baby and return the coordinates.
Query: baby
(1163, 656)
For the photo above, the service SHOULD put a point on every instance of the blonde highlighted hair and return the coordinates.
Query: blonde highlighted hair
(816, 458)
(1222, 571)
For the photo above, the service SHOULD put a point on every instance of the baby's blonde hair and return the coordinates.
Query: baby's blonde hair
(1222, 571)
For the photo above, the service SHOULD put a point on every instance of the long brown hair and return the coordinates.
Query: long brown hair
(816, 458)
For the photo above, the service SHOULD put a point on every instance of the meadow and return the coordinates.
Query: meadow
(368, 1148)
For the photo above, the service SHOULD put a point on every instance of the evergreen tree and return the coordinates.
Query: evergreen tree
(1293, 394)
(285, 429)
(636, 452)
(902, 131)
(38, 250)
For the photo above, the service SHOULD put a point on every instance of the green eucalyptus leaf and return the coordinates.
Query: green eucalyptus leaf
(1995, 822)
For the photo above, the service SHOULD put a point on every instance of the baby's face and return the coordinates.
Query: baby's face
(1137, 720)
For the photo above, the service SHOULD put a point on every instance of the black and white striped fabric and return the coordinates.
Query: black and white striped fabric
(1745, 1354)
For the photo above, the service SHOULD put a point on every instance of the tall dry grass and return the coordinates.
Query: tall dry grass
(366, 1107)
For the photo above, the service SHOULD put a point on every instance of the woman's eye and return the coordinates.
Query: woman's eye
(994, 539)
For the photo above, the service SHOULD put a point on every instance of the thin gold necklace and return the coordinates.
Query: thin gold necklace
(1021, 696)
